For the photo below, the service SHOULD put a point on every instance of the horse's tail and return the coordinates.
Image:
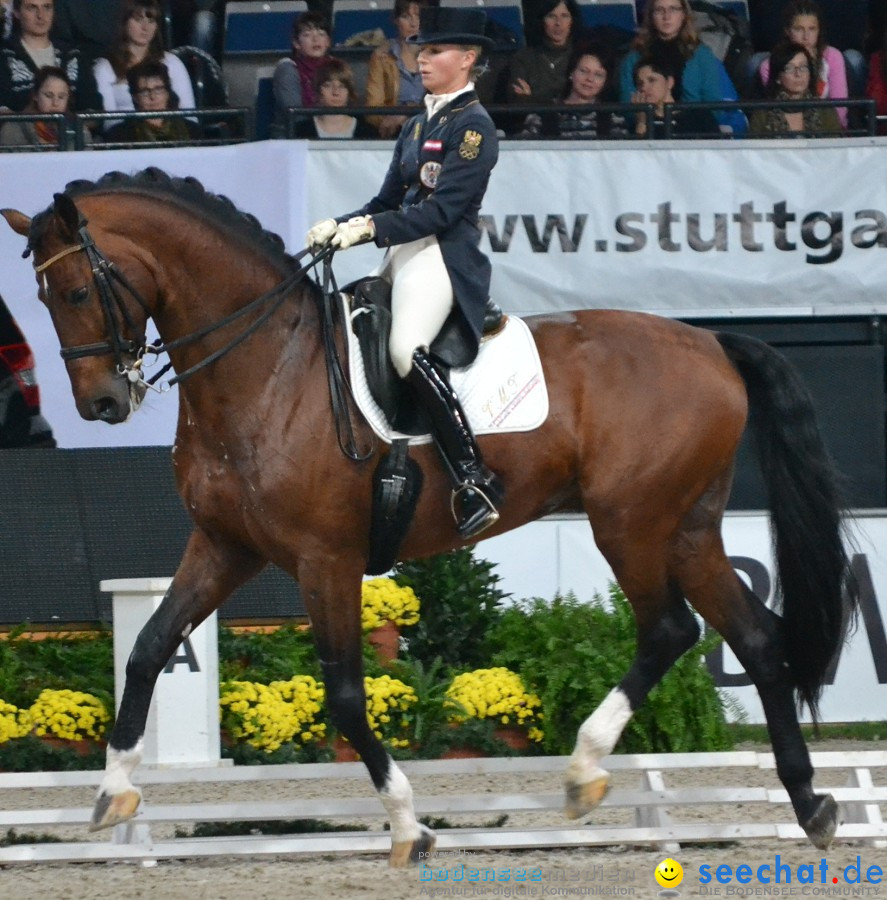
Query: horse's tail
(819, 596)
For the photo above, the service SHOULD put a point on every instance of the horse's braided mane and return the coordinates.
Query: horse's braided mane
(188, 192)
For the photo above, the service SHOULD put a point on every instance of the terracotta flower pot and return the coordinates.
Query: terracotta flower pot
(462, 753)
(386, 641)
(343, 750)
(82, 747)
(514, 736)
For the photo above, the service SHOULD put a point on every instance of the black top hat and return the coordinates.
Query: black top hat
(450, 25)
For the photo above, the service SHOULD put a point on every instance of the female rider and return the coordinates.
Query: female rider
(426, 216)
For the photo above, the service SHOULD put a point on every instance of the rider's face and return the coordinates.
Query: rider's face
(445, 67)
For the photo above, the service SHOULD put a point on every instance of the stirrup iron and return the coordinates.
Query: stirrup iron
(491, 518)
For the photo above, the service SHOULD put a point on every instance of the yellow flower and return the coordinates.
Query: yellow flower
(384, 600)
(496, 693)
(72, 715)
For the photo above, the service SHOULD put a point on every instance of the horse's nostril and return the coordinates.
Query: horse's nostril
(105, 409)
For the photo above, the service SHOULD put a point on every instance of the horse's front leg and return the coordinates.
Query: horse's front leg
(331, 592)
(207, 574)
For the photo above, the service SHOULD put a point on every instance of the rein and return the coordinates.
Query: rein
(107, 278)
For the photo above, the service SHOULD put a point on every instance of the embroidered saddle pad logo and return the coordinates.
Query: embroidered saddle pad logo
(502, 390)
(470, 146)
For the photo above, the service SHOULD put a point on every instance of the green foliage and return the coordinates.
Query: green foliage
(275, 656)
(30, 754)
(77, 662)
(572, 654)
(460, 604)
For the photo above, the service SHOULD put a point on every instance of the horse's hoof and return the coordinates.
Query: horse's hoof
(411, 853)
(821, 826)
(112, 809)
(583, 798)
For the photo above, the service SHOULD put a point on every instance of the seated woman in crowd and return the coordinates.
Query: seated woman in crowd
(791, 77)
(50, 95)
(334, 86)
(152, 91)
(393, 77)
(294, 75)
(803, 24)
(538, 73)
(655, 78)
(138, 40)
(876, 83)
(590, 81)
(667, 33)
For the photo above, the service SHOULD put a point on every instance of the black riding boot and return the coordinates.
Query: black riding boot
(475, 487)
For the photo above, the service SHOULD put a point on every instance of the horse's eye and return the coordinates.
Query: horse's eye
(80, 295)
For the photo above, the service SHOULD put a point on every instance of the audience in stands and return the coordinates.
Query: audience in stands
(393, 77)
(803, 24)
(50, 95)
(334, 86)
(197, 23)
(667, 33)
(30, 48)
(791, 77)
(294, 75)
(590, 81)
(655, 78)
(539, 72)
(138, 40)
(151, 89)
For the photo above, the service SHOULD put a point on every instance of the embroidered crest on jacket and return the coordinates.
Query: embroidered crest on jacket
(470, 146)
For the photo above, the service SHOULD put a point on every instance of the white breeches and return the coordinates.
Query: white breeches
(421, 298)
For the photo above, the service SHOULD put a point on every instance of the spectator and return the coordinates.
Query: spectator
(655, 79)
(791, 78)
(538, 73)
(151, 89)
(138, 39)
(803, 24)
(334, 86)
(50, 95)
(87, 24)
(590, 81)
(667, 32)
(876, 86)
(393, 77)
(294, 75)
(30, 48)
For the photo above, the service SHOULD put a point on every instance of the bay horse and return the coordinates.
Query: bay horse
(645, 417)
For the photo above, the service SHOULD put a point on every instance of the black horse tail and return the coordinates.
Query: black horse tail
(819, 595)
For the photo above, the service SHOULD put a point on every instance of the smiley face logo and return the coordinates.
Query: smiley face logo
(669, 873)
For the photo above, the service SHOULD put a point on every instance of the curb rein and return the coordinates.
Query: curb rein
(107, 278)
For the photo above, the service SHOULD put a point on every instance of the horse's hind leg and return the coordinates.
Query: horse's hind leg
(665, 630)
(754, 633)
(206, 576)
(331, 593)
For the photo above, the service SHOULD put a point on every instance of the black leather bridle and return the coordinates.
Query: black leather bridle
(129, 353)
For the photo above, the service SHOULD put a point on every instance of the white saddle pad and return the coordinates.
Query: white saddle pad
(502, 390)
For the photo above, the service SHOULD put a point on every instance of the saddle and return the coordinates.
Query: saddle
(397, 480)
(371, 323)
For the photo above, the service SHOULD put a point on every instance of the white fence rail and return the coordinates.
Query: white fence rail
(861, 799)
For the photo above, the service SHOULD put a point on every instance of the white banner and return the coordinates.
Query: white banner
(686, 229)
(558, 555)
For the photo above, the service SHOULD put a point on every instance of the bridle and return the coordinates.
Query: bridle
(129, 354)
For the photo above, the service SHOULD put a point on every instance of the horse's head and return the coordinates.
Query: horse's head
(98, 315)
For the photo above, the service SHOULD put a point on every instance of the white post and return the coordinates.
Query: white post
(183, 721)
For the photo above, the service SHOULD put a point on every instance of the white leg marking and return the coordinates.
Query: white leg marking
(397, 798)
(119, 765)
(598, 735)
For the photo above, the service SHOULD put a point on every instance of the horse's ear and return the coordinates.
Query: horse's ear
(67, 214)
(18, 222)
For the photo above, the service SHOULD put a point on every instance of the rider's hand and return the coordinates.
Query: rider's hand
(355, 231)
(321, 233)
